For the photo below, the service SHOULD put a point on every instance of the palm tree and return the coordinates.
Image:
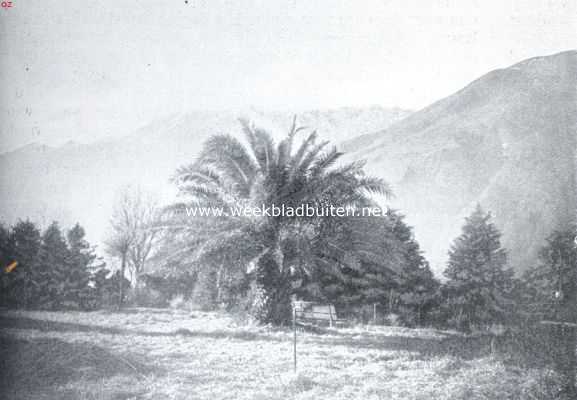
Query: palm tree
(229, 174)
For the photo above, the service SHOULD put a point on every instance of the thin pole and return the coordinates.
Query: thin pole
(295, 338)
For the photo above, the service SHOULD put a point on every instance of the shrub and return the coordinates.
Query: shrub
(147, 297)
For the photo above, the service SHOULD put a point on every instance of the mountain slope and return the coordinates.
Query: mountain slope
(78, 182)
(506, 141)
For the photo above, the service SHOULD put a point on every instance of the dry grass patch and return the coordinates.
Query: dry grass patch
(171, 354)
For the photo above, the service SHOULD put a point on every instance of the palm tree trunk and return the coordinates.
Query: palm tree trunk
(273, 303)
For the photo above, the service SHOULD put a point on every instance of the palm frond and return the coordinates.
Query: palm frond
(198, 173)
(303, 150)
(261, 144)
(310, 157)
(376, 186)
(325, 161)
(230, 158)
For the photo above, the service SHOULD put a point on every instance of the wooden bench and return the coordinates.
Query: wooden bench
(306, 311)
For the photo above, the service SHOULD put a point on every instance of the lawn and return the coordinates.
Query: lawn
(175, 354)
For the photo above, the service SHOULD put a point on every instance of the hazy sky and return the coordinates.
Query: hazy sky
(84, 70)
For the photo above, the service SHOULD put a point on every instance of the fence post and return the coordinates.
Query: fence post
(295, 337)
(563, 337)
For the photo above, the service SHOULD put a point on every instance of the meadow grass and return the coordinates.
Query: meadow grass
(173, 354)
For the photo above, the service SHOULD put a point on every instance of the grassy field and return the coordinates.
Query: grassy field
(174, 354)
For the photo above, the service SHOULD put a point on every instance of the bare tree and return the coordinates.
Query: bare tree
(145, 214)
(133, 233)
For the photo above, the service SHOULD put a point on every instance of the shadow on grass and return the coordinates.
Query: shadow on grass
(56, 326)
(425, 347)
(528, 349)
(38, 368)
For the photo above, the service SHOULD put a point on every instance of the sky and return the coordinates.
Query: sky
(92, 70)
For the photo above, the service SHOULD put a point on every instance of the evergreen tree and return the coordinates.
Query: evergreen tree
(53, 269)
(479, 286)
(6, 258)
(51, 272)
(376, 279)
(79, 264)
(5, 246)
(417, 295)
(415, 286)
(551, 287)
(396, 278)
(359, 268)
(24, 281)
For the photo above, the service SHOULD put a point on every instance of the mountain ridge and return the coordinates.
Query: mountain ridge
(510, 127)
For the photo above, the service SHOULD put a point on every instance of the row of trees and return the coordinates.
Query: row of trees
(260, 263)
(350, 262)
(347, 261)
(53, 270)
(57, 271)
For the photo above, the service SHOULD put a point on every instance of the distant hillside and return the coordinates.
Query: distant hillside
(77, 182)
(506, 141)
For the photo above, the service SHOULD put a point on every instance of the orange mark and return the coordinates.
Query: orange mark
(11, 266)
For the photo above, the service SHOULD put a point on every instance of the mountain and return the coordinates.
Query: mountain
(78, 182)
(506, 141)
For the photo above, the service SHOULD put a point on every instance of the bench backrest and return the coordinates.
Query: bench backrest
(314, 311)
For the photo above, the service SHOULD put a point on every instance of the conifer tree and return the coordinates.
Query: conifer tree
(51, 272)
(80, 262)
(6, 258)
(53, 269)
(552, 285)
(397, 275)
(479, 285)
(5, 246)
(416, 284)
(24, 280)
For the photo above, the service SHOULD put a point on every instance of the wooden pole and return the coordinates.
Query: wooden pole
(330, 316)
(375, 313)
(295, 338)
(564, 337)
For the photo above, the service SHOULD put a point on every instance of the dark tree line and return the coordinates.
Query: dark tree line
(54, 270)
(259, 264)
(478, 292)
